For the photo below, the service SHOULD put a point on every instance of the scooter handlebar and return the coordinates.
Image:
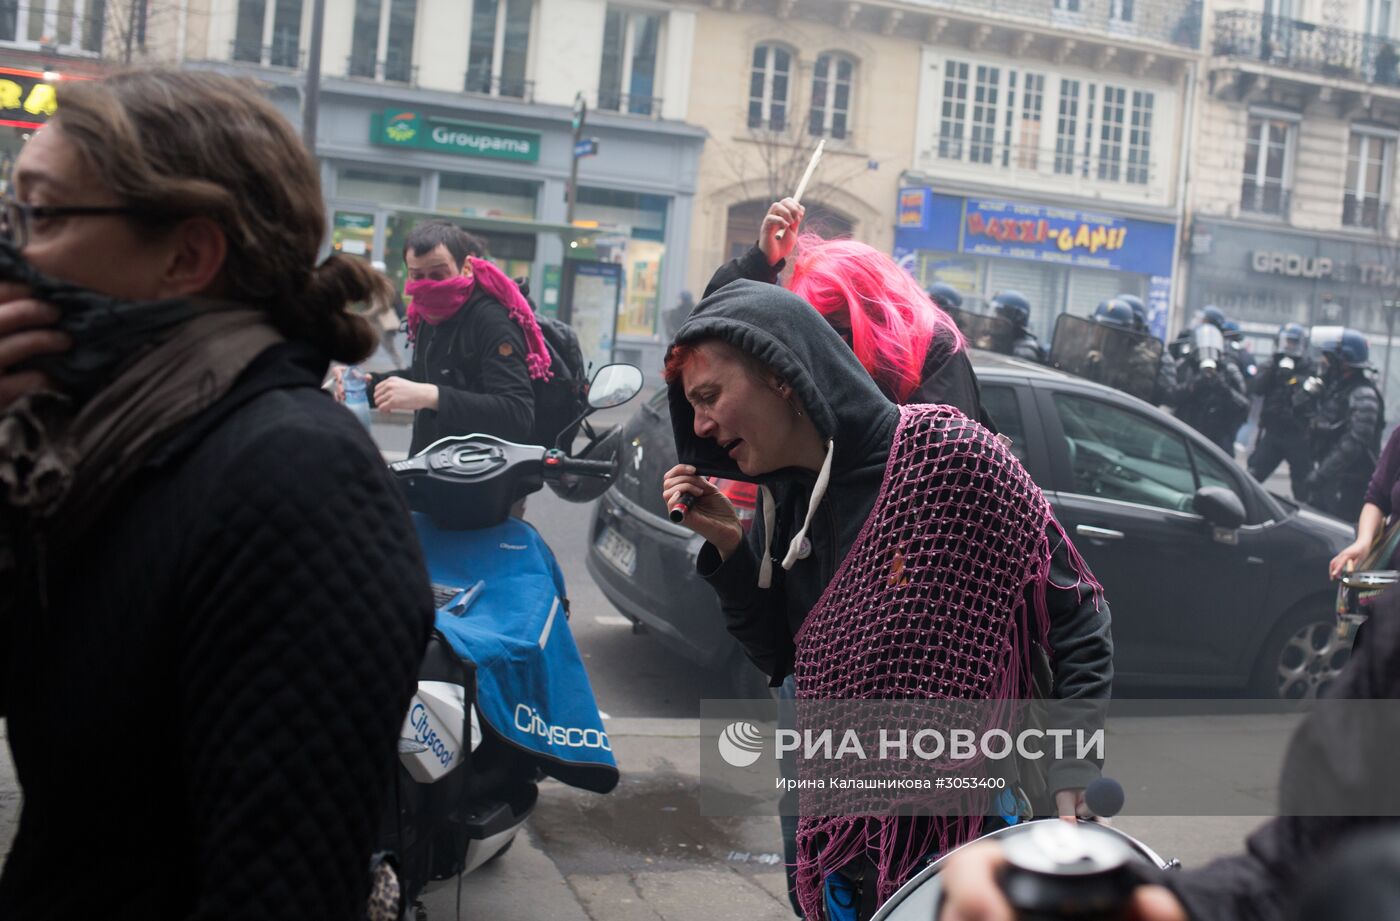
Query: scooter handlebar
(557, 463)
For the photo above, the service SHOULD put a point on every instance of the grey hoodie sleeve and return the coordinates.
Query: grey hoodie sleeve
(1081, 653)
(754, 616)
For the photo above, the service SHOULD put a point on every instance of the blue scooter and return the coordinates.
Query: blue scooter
(503, 698)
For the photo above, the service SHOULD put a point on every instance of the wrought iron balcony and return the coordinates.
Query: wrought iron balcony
(281, 53)
(1175, 22)
(630, 103)
(479, 81)
(395, 69)
(1366, 213)
(1306, 46)
(1264, 199)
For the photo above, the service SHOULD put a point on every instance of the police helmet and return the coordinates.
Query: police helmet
(1232, 331)
(1213, 315)
(944, 295)
(1114, 312)
(1138, 308)
(1013, 306)
(1292, 340)
(1349, 346)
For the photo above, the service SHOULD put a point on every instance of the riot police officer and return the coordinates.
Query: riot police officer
(1165, 394)
(1013, 306)
(1209, 314)
(1210, 392)
(1282, 435)
(944, 295)
(1139, 310)
(1234, 342)
(1345, 431)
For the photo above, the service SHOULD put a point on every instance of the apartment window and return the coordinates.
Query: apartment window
(268, 32)
(984, 114)
(381, 41)
(1067, 127)
(70, 25)
(1111, 133)
(1027, 139)
(628, 79)
(953, 123)
(1368, 176)
(768, 87)
(500, 46)
(1120, 10)
(1267, 152)
(1140, 138)
(831, 96)
(1067, 6)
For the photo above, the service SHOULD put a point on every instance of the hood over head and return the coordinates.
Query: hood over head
(784, 332)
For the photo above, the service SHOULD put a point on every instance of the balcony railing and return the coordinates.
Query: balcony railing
(393, 70)
(487, 85)
(278, 54)
(1264, 199)
(1175, 22)
(1122, 169)
(630, 104)
(1305, 46)
(1365, 213)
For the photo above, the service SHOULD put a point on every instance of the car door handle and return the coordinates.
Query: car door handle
(1085, 530)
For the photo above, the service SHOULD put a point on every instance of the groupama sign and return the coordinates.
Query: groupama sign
(405, 128)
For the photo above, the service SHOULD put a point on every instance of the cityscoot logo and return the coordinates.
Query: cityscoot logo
(741, 744)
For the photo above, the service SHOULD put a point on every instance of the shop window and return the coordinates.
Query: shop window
(352, 233)
(628, 79)
(72, 26)
(631, 233)
(953, 121)
(381, 41)
(1268, 153)
(831, 96)
(500, 47)
(487, 196)
(268, 33)
(379, 186)
(1369, 158)
(769, 82)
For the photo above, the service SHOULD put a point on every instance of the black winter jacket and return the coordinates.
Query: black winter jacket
(846, 405)
(1277, 387)
(1263, 883)
(1346, 429)
(204, 692)
(1215, 405)
(477, 360)
(948, 376)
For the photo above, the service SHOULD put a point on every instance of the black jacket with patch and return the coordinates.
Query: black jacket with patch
(204, 692)
(786, 334)
(477, 361)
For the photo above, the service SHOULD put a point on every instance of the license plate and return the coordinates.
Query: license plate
(617, 550)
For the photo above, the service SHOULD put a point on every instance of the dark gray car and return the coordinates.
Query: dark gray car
(1214, 582)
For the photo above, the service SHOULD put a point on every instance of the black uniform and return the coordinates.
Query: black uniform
(1282, 435)
(1345, 435)
(1213, 402)
(1028, 347)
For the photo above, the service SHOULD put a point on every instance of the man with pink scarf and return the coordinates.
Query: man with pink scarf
(476, 345)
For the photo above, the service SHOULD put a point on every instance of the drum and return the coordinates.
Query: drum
(1355, 593)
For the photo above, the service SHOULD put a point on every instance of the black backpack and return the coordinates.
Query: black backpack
(561, 400)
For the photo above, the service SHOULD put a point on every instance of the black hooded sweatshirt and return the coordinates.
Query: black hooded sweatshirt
(785, 333)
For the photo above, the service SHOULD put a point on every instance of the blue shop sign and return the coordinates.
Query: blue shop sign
(1038, 233)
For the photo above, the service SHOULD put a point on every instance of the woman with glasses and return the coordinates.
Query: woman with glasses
(203, 664)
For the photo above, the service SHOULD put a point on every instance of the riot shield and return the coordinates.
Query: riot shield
(1120, 358)
(982, 331)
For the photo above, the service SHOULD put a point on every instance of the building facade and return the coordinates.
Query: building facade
(1294, 180)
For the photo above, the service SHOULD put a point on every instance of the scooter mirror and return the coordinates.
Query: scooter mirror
(614, 385)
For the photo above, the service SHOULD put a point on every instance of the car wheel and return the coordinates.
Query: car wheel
(1301, 659)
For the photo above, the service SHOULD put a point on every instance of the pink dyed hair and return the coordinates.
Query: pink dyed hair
(885, 315)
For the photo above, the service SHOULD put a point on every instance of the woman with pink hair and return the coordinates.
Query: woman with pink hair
(910, 347)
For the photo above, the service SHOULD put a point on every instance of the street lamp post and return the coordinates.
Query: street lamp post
(311, 99)
(1389, 306)
(580, 117)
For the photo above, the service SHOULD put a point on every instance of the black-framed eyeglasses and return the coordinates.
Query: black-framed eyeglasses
(17, 216)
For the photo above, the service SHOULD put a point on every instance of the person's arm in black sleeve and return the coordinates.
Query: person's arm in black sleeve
(505, 406)
(950, 381)
(307, 610)
(1354, 446)
(1081, 655)
(1168, 381)
(1263, 382)
(753, 265)
(754, 616)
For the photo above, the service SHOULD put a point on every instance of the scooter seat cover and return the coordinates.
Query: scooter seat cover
(532, 690)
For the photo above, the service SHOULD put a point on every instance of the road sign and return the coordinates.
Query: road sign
(585, 147)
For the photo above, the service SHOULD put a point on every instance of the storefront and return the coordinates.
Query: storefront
(1265, 277)
(1062, 259)
(499, 168)
(28, 97)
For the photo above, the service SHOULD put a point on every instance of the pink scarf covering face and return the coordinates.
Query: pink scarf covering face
(435, 302)
(928, 604)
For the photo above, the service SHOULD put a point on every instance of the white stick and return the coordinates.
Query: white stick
(806, 178)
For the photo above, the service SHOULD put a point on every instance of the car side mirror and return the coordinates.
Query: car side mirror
(1219, 506)
(614, 385)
